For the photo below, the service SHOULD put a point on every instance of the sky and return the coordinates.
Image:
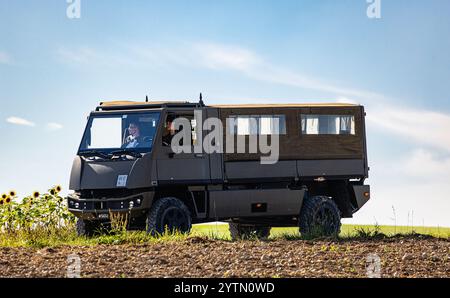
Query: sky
(55, 69)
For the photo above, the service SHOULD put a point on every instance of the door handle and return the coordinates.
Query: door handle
(199, 155)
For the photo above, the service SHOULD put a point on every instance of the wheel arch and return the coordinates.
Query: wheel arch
(338, 191)
(182, 194)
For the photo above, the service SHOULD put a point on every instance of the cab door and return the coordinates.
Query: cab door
(181, 168)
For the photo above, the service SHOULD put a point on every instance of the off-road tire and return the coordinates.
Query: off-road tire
(242, 232)
(319, 217)
(168, 212)
(87, 228)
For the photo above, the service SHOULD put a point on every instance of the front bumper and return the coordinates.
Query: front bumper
(92, 209)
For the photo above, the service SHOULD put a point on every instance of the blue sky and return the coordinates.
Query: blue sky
(54, 71)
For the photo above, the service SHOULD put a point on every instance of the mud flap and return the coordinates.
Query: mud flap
(362, 194)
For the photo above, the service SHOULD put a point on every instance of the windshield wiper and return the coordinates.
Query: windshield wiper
(91, 153)
(127, 152)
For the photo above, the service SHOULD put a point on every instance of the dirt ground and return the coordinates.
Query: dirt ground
(197, 257)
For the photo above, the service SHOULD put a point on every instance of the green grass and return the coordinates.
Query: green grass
(40, 239)
(51, 238)
(346, 231)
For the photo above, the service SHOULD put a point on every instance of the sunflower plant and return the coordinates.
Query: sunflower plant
(37, 211)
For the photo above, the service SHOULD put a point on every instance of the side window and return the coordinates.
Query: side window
(347, 125)
(327, 124)
(170, 131)
(257, 124)
(242, 125)
(270, 125)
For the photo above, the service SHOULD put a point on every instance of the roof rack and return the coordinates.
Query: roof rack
(134, 105)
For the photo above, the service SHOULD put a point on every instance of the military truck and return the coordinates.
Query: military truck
(126, 164)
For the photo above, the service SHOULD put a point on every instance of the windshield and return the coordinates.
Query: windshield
(108, 133)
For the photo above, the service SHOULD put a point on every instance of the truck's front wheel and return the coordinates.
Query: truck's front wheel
(239, 231)
(319, 216)
(168, 214)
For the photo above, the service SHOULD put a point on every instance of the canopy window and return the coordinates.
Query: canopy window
(257, 124)
(327, 124)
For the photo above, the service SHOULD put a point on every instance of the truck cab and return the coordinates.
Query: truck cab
(132, 161)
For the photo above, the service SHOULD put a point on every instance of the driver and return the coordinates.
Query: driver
(134, 136)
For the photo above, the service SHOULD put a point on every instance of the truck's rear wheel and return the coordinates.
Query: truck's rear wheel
(168, 214)
(319, 217)
(240, 232)
(87, 227)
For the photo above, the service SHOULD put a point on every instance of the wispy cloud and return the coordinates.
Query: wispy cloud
(421, 126)
(52, 126)
(19, 121)
(5, 58)
(422, 162)
(90, 57)
(249, 63)
(213, 56)
(226, 57)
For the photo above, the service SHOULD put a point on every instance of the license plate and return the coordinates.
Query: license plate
(103, 216)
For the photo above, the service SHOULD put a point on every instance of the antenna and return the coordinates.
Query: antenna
(201, 100)
(146, 98)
